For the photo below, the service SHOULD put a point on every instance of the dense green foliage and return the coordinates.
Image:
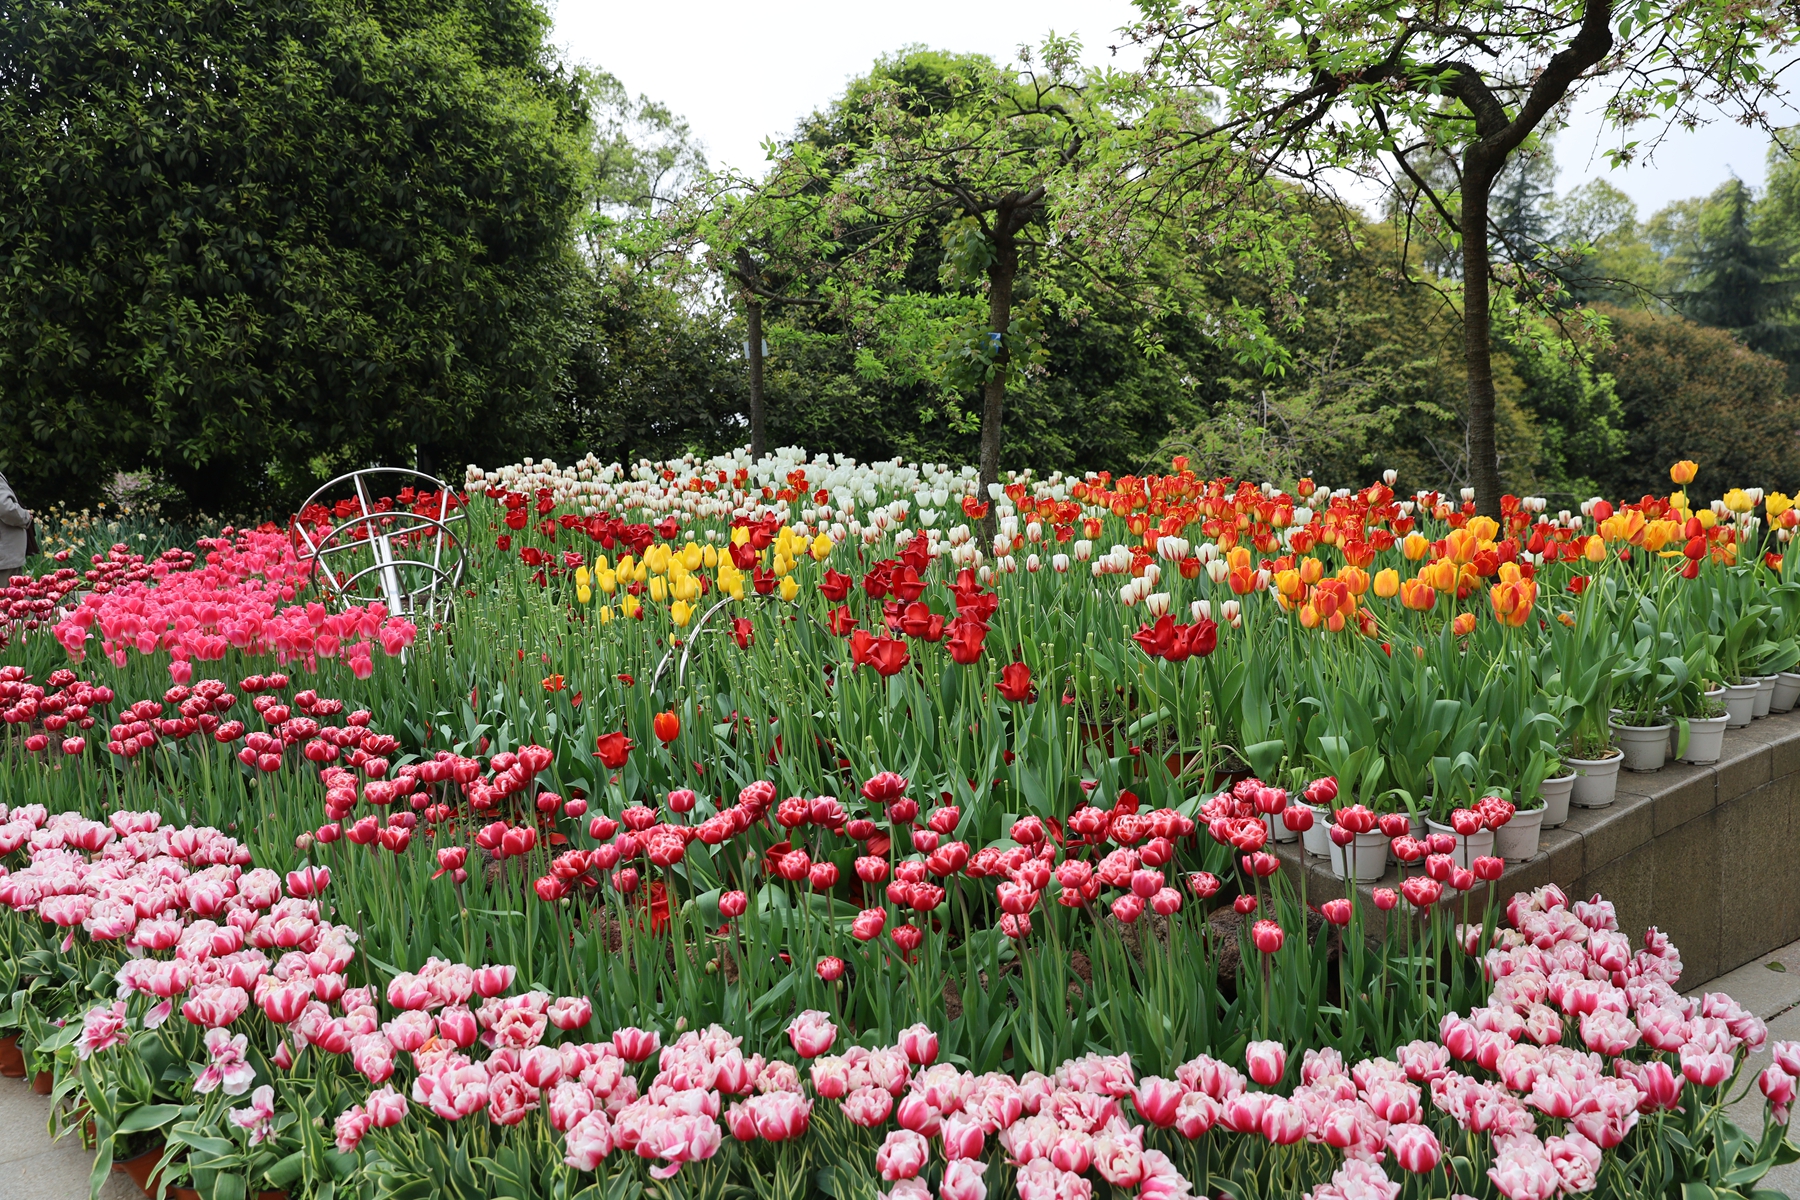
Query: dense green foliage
(249, 245)
(322, 237)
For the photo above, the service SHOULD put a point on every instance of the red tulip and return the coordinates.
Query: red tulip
(830, 969)
(1488, 868)
(1015, 683)
(1204, 884)
(1245, 904)
(1336, 911)
(1267, 936)
(613, 749)
(732, 904)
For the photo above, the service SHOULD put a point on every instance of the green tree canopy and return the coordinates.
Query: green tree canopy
(249, 245)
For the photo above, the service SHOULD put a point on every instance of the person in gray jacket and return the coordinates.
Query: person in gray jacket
(15, 519)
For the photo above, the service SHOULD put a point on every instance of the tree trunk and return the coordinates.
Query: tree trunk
(1001, 273)
(1484, 452)
(753, 323)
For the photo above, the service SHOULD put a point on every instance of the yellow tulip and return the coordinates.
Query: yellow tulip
(1288, 583)
(1238, 558)
(604, 613)
(600, 563)
(659, 589)
(1415, 546)
(685, 588)
(1356, 578)
(1595, 550)
(1708, 518)
(1683, 472)
(790, 587)
(692, 556)
(1738, 501)
(641, 572)
(1777, 503)
(681, 612)
(821, 547)
(629, 605)
(709, 558)
(783, 565)
(1311, 570)
(1485, 529)
(608, 582)
(740, 535)
(1387, 583)
(627, 566)
(584, 593)
(582, 578)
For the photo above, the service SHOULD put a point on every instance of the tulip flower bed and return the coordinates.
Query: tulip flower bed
(743, 830)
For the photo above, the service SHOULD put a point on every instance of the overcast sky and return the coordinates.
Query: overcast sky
(741, 72)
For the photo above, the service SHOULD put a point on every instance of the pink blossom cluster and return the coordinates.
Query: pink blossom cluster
(63, 707)
(33, 602)
(241, 598)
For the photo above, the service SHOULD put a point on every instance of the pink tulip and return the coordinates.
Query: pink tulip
(1267, 1062)
(781, 1116)
(569, 1102)
(215, 1005)
(1158, 1100)
(916, 1113)
(373, 1056)
(1414, 1147)
(570, 1012)
(962, 1180)
(492, 981)
(1525, 1175)
(1778, 1089)
(867, 1107)
(541, 1066)
(811, 1033)
(588, 1141)
(964, 1137)
(902, 1155)
(1705, 1068)
(919, 1044)
(635, 1045)
(457, 1025)
(386, 1108)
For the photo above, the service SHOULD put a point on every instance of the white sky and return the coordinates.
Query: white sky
(741, 72)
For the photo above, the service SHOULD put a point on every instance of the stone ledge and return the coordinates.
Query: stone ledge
(1710, 855)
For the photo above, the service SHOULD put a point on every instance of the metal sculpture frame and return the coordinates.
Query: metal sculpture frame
(391, 574)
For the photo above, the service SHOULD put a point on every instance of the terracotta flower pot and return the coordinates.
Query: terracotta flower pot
(43, 1082)
(140, 1167)
(12, 1062)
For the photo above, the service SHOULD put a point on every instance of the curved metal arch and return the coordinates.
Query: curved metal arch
(374, 530)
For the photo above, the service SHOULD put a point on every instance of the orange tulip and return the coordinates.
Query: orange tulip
(667, 726)
(1464, 624)
(1683, 472)
(1417, 595)
(1387, 583)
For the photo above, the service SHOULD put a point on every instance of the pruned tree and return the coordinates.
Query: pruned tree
(1414, 94)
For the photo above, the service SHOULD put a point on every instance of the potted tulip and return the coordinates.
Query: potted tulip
(1582, 683)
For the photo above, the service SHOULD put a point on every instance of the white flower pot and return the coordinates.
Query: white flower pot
(1317, 840)
(1646, 747)
(1556, 799)
(1368, 857)
(1596, 780)
(1472, 847)
(1517, 840)
(1740, 703)
(1787, 692)
(1765, 695)
(1706, 739)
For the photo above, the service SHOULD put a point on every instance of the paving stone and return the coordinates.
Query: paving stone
(1763, 991)
(34, 1168)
